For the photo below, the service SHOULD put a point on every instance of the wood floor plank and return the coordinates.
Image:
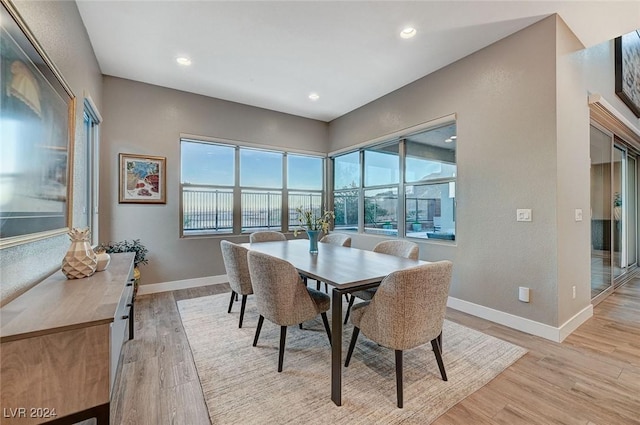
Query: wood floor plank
(593, 377)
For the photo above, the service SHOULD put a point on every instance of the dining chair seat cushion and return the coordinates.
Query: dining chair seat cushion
(366, 294)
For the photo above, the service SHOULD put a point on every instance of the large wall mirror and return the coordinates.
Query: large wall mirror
(36, 137)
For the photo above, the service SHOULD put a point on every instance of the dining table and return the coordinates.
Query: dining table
(347, 270)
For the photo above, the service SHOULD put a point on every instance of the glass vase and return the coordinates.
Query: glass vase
(313, 241)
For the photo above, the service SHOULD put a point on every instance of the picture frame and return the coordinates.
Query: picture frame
(627, 70)
(37, 109)
(142, 179)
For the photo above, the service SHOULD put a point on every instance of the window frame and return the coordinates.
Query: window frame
(237, 190)
(402, 225)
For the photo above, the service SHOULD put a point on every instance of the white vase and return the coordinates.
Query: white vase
(103, 261)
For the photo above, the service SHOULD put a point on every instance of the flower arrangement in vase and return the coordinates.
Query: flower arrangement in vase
(313, 223)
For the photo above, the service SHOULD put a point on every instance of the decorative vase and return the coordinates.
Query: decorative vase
(103, 261)
(80, 261)
(313, 241)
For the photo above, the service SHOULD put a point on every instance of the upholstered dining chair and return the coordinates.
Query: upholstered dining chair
(334, 239)
(399, 248)
(406, 311)
(282, 297)
(266, 236)
(235, 262)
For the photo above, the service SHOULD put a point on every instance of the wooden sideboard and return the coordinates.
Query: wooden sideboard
(60, 345)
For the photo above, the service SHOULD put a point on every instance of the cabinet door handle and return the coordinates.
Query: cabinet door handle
(130, 305)
(125, 317)
(130, 284)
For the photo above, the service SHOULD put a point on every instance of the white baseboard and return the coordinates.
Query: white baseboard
(512, 321)
(557, 334)
(153, 288)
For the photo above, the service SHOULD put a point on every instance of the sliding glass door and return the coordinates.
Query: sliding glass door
(614, 211)
(601, 212)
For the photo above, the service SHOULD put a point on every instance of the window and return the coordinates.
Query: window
(414, 175)
(430, 176)
(208, 177)
(382, 172)
(304, 181)
(91, 132)
(234, 189)
(346, 186)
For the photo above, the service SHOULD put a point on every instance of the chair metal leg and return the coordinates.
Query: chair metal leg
(300, 325)
(244, 303)
(399, 377)
(258, 329)
(346, 316)
(233, 295)
(440, 342)
(352, 344)
(317, 285)
(283, 338)
(326, 288)
(236, 296)
(326, 325)
(438, 353)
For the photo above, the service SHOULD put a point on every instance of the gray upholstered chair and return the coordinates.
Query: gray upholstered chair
(406, 311)
(266, 236)
(282, 297)
(235, 263)
(334, 239)
(399, 248)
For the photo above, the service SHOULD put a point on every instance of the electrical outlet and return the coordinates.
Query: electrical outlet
(578, 214)
(523, 214)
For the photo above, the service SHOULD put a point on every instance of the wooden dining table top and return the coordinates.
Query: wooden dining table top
(339, 266)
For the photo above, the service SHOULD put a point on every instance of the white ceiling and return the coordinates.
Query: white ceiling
(273, 54)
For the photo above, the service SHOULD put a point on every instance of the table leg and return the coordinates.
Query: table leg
(336, 347)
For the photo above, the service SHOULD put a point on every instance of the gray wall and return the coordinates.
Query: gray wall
(505, 100)
(59, 30)
(146, 119)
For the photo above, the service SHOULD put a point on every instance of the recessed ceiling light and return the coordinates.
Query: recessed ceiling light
(408, 32)
(314, 96)
(449, 140)
(183, 60)
(454, 137)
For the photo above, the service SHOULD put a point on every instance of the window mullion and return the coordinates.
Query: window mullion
(284, 215)
(237, 195)
(401, 192)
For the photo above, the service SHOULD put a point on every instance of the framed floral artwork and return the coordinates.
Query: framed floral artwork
(142, 179)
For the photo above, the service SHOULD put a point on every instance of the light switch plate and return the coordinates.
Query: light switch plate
(578, 214)
(523, 214)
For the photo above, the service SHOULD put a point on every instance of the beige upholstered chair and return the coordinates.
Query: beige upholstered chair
(334, 239)
(282, 297)
(399, 248)
(406, 311)
(235, 263)
(337, 239)
(266, 236)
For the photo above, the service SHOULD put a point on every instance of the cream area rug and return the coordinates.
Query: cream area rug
(241, 384)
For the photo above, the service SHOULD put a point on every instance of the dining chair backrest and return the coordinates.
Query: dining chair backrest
(266, 236)
(337, 239)
(235, 262)
(409, 306)
(280, 294)
(399, 248)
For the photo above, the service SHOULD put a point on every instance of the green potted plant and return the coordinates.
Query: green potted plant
(128, 246)
(415, 225)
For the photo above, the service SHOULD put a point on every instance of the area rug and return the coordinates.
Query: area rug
(241, 384)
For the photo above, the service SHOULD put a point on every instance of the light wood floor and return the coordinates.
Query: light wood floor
(593, 377)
